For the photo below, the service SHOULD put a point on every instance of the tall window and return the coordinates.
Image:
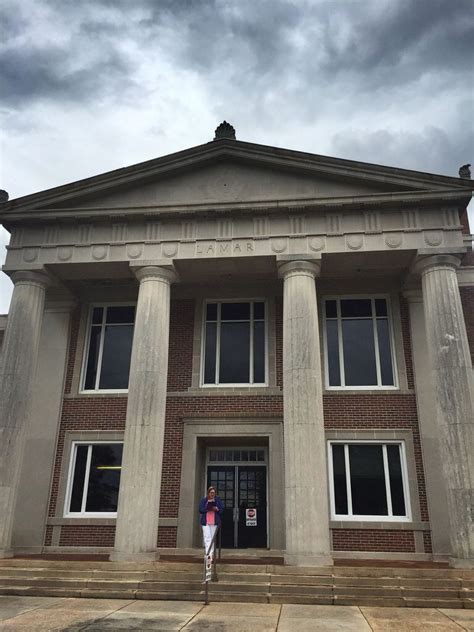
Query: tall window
(109, 348)
(368, 481)
(94, 479)
(234, 343)
(359, 350)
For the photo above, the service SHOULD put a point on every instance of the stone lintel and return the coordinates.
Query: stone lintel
(413, 295)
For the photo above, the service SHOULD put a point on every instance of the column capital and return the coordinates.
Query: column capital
(426, 263)
(31, 277)
(296, 265)
(151, 271)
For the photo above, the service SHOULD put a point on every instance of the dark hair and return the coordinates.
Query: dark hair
(209, 489)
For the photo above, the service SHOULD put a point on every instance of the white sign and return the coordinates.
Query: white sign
(251, 517)
(207, 568)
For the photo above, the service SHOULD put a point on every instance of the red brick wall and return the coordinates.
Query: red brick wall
(87, 535)
(180, 363)
(405, 322)
(428, 547)
(71, 358)
(373, 540)
(467, 299)
(279, 340)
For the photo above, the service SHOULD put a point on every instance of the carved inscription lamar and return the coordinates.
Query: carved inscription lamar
(225, 248)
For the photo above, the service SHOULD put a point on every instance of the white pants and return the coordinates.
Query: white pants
(208, 531)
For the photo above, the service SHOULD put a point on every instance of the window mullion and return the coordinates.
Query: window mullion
(86, 479)
(251, 343)
(101, 348)
(348, 480)
(218, 343)
(376, 343)
(342, 372)
(387, 480)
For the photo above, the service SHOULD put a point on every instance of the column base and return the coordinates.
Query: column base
(145, 556)
(5, 553)
(458, 562)
(300, 559)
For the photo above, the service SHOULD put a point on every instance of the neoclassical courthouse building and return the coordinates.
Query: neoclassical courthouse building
(294, 329)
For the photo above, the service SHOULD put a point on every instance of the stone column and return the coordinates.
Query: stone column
(17, 371)
(139, 496)
(429, 430)
(306, 489)
(452, 377)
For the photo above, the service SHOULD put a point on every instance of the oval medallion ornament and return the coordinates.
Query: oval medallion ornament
(30, 254)
(393, 240)
(99, 252)
(134, 251)
(354, 242)
(316, 243)
(279, 245)
(170, 249)
(64, 253)
(433, 237)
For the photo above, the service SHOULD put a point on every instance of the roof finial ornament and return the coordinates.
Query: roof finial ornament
(3, 196)
(465, 172)
(224, 131)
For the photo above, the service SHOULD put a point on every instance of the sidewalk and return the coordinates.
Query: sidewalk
(37, 614)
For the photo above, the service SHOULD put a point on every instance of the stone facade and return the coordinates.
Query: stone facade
(232, 223)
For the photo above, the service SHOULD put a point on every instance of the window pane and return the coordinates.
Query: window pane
(259, 352)
(210, 354)
(235, 311)
(369, 497)
(104, 478)
(97, 315)
(212, 455)
(385, 352)
(331, 309)
(333, 353)
(92, 358)
(116, 356)
(78, 478)
(123, 314)
(381, 307)
(260, 455)
(211, 311)
(234, 353)
(356, 308)
(359, 352)
(396, 480)
(259, 310)
(339, 473)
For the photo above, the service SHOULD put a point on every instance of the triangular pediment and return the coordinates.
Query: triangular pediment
(231, 173)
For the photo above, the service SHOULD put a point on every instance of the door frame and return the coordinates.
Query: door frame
(236, 465)
(200, 433)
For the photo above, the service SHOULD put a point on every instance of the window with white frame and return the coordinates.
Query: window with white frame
(358, 343)
(94, 479)
(234, 343)
(368, 481)
(109, 347)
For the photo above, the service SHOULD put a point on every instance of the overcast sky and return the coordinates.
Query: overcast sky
(92, 85)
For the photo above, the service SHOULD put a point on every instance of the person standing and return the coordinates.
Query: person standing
(211, 509)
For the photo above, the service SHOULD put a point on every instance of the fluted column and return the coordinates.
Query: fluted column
(17, 370)
(139, 496)
(451, 368)
(306, 490)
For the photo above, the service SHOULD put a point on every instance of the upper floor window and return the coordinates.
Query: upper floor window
(109, 348)
(359, 348)
(368, 480)
(234, 343)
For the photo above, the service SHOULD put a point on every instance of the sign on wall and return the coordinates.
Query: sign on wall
(251, 517)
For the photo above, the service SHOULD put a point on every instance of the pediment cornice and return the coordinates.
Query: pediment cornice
(409, 186)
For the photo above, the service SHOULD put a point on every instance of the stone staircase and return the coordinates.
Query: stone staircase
(262, 583)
